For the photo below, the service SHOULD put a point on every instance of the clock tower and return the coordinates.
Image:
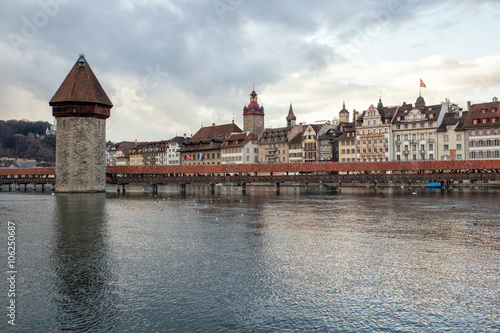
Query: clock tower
(253, 116)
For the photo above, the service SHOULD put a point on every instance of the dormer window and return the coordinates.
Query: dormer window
(484, 120)
(398, 118)
(494, 120)
(483, 110)
(475, 121)
(431, 115)
(493, 110)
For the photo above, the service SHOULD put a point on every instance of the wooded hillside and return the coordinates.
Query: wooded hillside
(18, 139)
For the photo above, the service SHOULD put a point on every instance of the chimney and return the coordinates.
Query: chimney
(495, 99)
(469, 104)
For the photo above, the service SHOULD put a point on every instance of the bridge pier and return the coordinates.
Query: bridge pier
(244, 188)
(375, 186)
(212, 188)
(307, 187)
(409, 186)
(123, 188)
(154, 188)
(183, 188)
(277, 187)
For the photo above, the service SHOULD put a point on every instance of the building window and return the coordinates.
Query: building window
(446, 147)
(431, 146)
(431, 157)
(459, 146)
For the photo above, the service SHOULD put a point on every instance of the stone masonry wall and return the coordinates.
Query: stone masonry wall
(81, 154)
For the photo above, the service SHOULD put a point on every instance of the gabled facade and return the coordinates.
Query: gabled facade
(273, 146)
(295, 152)
(450, 139)
(118, 153)
(240, 148)
(373, 133)
(172, 150)
(310, 144)
(327, 136)
(483, 131)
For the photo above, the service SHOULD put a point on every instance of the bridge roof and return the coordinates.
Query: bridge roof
(308, 167)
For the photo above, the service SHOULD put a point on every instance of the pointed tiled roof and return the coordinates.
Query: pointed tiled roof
(81, 85)
(291, 116)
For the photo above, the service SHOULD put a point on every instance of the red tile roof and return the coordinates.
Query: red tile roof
(239, 140)
(210, 137)
(81, 85)
(485, 114)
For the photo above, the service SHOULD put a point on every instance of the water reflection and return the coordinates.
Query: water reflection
(81, 263)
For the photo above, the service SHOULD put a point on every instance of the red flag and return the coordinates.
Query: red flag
(188, 157)
(422, 84)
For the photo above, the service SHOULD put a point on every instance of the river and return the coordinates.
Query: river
(354, 261)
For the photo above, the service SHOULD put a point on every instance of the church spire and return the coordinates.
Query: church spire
(290, 119)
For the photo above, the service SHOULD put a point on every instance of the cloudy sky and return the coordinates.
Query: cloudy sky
(168, 66)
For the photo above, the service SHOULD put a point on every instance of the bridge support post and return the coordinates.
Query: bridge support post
(154, 188)
(375, 186)
(183, 188)
(443, 185)
(43, 187)
(307, 187)
(243, 188)
(409, 186)
(212, 188)
(450, 185)
(277, 187)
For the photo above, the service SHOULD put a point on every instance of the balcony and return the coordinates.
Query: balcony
(406, 152)
(414, 141)
(430, 140)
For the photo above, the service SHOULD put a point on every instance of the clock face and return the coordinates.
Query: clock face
(258, 121)
(371, 109)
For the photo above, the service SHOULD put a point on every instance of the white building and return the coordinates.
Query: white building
(240, 148)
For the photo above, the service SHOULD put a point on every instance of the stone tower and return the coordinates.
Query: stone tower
(343, 114)
(81, 108)
(290, 119)
(253, 116)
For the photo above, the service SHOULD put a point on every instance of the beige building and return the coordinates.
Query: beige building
(373, 134)
(451, 137)
(347, 147)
